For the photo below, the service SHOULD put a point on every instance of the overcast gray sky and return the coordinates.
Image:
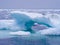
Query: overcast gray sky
(30, 4)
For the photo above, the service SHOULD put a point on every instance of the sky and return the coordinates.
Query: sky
(30, 4)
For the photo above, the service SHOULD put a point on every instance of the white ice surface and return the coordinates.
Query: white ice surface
(20, 33)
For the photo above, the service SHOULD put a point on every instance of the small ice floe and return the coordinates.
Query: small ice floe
(20, 33)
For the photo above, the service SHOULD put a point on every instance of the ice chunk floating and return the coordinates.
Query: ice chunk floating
(28, 24)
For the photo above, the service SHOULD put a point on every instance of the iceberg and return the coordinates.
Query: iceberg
(25, 24)
(51, 22)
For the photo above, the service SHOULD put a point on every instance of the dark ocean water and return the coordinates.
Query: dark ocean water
(48, 40)
(21, 41)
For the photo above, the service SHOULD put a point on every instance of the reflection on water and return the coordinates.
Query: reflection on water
(7, 39)
(5, 34)
(28, 40)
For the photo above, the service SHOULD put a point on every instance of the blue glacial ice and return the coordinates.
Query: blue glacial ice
(51, 21)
